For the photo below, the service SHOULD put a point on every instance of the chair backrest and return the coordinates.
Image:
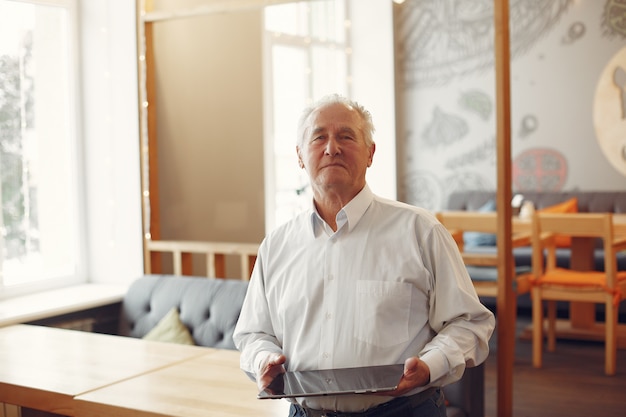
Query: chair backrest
(546, 226)
(469, 220)
(460, 222)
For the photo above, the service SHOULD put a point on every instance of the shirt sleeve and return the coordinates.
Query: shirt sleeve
(463, 325)
(254, 335)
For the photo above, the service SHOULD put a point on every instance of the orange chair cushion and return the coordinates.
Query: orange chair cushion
(568, 206)
(581, 279)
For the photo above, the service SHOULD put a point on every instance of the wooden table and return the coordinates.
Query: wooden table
(209, 385)
(45, 368)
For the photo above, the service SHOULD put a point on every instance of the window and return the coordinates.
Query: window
(307, 46)
(39, 226)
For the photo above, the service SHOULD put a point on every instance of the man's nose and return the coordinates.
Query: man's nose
(332, 146)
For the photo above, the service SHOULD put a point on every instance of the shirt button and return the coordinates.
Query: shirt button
(326, 355)
(329, 316)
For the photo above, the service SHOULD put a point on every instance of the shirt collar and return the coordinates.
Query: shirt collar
(351, 213)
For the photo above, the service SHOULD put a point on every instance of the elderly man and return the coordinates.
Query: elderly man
(358, 280)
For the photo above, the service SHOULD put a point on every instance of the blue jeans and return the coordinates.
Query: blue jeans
(433, 406)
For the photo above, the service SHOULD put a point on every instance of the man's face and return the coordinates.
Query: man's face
(334, 151)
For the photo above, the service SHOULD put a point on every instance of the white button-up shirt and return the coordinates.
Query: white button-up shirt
(387, 285)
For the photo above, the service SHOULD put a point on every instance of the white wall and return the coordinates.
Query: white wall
(373, 85)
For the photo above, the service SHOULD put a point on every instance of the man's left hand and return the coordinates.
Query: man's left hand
(416, 374)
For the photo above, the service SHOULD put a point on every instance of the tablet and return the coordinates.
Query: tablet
(362, 380)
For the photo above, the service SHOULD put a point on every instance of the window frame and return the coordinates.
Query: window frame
(307, 43)
(77, 166)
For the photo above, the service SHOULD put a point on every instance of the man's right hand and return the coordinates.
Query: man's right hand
(269, 369)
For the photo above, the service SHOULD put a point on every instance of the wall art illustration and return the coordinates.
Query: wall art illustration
(576, 31)
(442, 39)
(614, 18)
(423, 190)
(478, 102)
(483, 153)
(444, 129)
(528, 126)
(539, 169)
(466, 180)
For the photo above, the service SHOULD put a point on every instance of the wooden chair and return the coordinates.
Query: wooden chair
(482, 266)
(551, 283)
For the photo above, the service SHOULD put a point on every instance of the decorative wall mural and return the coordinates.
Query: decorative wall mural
(481, 153)
(444, 51)
(442, 39)
(423, 190)
(614, 18)
(478, 102)
(539, 169)
(444, 129)
(528, 125)
(466, 180)
(609, 111)
(464, 158)
(575, 32)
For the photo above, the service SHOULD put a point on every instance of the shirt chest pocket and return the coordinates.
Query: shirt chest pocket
(382, 312)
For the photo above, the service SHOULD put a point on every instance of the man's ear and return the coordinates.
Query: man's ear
(299, 157)
(371, 159)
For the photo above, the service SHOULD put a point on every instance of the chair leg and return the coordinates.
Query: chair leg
(551, 326)
(610, 343)
(537, 308)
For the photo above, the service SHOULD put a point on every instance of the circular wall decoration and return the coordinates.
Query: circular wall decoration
(609, 111)
(539, 169)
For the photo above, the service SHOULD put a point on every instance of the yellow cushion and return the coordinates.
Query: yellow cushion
(568, 206)
(170, 329)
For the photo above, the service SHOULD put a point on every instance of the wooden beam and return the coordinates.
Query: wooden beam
(148, 137)
(505, 302)
(211, 8)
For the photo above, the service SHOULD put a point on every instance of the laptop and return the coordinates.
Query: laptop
(361, 380)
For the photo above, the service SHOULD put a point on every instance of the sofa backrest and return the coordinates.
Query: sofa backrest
(209, 307)
(588, 201)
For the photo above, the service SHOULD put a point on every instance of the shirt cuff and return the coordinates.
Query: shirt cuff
(259, 359)
(437, 364)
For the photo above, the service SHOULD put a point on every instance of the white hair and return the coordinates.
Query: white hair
(367, 128)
